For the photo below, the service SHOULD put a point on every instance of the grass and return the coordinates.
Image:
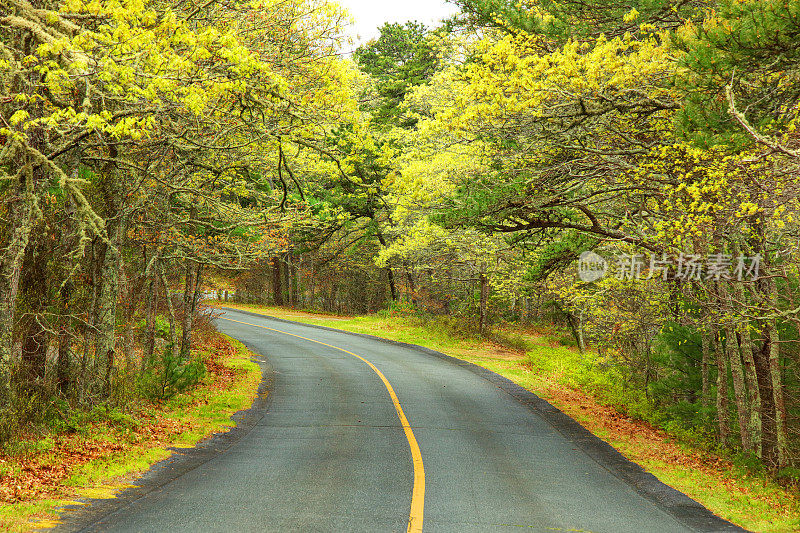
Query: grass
(539, 362)
(119, 452)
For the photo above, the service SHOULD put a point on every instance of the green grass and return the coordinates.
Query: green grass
(757, 505)
(94, 477)
(16, 518)
(207, 410)
(747, 499)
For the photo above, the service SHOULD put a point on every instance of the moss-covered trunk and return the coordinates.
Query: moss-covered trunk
(739, 388)
(108, 289)
(10, 272)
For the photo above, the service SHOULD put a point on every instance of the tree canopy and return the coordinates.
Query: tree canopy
(151, 149)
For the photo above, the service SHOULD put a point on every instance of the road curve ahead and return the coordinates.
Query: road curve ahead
(364, 435)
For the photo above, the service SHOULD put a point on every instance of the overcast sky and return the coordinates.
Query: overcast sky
(370, 14)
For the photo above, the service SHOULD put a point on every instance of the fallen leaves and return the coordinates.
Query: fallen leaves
(34, 475)
(645, 444)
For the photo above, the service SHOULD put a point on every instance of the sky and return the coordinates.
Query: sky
(370, 14)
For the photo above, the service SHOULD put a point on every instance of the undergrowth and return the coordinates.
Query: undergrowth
(92, 453)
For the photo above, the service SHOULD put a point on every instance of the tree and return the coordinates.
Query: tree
(142, 137)
(403, 56)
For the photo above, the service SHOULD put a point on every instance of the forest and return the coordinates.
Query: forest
(628, 171)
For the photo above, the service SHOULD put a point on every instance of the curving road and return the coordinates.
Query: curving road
(328, 451)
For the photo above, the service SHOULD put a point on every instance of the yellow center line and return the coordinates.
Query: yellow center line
(418, 491)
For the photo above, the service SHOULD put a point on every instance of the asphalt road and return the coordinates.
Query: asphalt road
(328, 451)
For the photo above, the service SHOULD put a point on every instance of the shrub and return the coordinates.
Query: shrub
(166, 375)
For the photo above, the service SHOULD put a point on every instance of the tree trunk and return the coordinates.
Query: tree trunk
(10, 272)
(129, 310)
(173, 341)
(312, 289)
(105, 342)
(23, 216)
(277, 279)
(575, 326)
(772, 341)
(198, 284)
(739, 391)
(768, 365)
(389, 272)
(707, 346)
(484, 287)
(188, 297)
(753, 389)
(190, 310)
(768, 434)
(392, 284)
(287, 272)
(90, 333)
(776, 377)
(63, 381)
(722, 392)
(412, 289)
(150, 319)
(295, 284)
(754, 407)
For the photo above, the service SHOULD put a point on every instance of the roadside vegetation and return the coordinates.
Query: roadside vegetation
(544, 360)
(98, 453)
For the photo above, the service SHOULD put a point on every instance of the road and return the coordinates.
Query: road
(363, 435)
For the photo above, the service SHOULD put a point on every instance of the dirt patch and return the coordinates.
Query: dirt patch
(491, 350)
